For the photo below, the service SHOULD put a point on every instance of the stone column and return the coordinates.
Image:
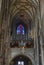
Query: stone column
(38, 37)
(5, 31)
(36, 45)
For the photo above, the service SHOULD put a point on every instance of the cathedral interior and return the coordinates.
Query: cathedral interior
(21, 32)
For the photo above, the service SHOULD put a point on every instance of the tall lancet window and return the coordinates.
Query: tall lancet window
(20, 29)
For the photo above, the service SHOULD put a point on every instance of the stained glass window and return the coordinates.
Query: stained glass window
(20, 29)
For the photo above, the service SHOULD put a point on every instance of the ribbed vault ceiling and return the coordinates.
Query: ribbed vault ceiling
(23, 6)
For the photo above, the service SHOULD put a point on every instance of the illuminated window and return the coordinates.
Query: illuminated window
(20, 63)
(20, 29)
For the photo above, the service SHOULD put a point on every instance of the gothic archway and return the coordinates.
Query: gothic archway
(19, 21)
(21, 60)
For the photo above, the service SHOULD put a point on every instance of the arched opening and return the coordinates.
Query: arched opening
(21, 60)
(21, 32)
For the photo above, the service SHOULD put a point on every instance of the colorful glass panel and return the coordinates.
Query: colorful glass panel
(20, 29)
